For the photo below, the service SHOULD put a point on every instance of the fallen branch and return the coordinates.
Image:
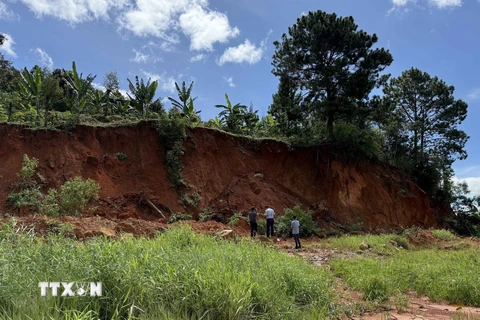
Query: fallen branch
(150, 203)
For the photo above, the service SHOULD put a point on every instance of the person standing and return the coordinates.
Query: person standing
(252, 216)
(270, 215)
(296, 232)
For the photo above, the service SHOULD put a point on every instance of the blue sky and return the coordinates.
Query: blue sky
(226, 46)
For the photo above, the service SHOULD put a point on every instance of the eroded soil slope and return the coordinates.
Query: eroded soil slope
(230, 174)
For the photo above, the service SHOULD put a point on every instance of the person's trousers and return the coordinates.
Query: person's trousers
(297, 240)
(270, 227)
(253, 228)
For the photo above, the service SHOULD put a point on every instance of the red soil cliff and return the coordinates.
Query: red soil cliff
(231, 174)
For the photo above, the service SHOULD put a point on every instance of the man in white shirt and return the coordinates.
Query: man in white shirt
(296, 232)
(270, 215)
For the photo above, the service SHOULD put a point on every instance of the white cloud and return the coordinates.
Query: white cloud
(245, 52)
(165, 83)
(6, 13)
(198, 57)
(229, 81)
(75, 11)
(474, 94)
(7, 46)
(162, 18)
(43, 57)
(402, 5)
(473, 184)
(140, 57)
(98, 86)
(443, 4)
(206, 28)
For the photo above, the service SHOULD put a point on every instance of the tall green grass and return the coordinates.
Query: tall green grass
(441, 275)
(176, 275)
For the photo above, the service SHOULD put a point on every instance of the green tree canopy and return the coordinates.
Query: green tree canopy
(331, 62)
(422, 118)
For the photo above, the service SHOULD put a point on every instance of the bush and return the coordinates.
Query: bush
(308, 227)
(190, 201)
(28, 187)
(206, 215)
(234, 219)
(442, 234)
(72, 199)
(356, 142)
(120, 156)
(179, 217)
(172, 133)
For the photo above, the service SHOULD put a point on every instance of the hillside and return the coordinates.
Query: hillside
(229, 173)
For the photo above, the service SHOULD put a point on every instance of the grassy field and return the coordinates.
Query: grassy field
(177, 275)
(392, 266)
(183, 275)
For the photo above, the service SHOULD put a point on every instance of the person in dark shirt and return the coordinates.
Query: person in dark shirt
(252, 216)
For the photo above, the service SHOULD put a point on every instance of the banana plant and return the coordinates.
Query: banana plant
(31, 87)
(184, 95)
(232, 115)
(79, 97)
(98, 101)
(123, 108)
(143, 95)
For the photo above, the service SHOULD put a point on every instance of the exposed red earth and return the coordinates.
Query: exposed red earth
(230, 173)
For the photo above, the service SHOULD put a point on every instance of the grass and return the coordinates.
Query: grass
(176, 275)
(440, 275)
(386, 244)
(444, 235)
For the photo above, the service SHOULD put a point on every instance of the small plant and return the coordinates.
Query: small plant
(59, 228)
(28, 187)
(190, 201)
(234, 219)
(179, 217)
(121, 156)
(401, 302)
(401, 241)
(206, 215)
(444, 235)
(72, 199)
(261, 226)
(308, 227)
(376, 290)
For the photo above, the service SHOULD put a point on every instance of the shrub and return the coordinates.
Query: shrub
(234, 219)
(206, 215)
(120, 156)
(179, 217)
(28, 187)
(72, 199)
(308, 227)
(261, 226)
(26, 197)
(443, 234)
(190, 201)
(172, 133)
